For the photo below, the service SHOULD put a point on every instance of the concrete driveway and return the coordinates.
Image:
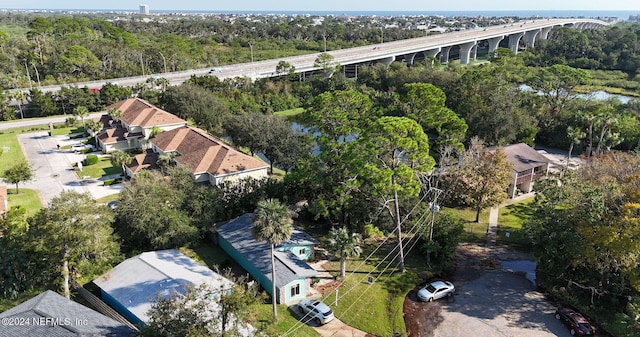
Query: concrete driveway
(335, 328)
(53, 168)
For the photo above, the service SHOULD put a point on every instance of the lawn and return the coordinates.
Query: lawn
(11, 150)
(101, 168)
(510, 220)
(474, 232)
(27, 198)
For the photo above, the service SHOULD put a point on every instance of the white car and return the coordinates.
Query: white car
(313, 309)
(436, 290)
(79, 147)
(214, 70)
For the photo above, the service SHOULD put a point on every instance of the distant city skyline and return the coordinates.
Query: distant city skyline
(333, 5)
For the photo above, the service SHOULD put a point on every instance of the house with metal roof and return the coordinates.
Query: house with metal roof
(135, 126)
(131, 286)
(208, 158)
(528, 165)
(50, 314)
(293, 274)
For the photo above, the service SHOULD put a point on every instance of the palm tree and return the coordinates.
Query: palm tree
(120, 158)
(344, 245)
(94, 127)
(19, 96)
(272, 223)
(116, 114)
(82, 112)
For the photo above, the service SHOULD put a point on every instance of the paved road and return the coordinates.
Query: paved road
(21, 123)
(348, 56)
(53, 168)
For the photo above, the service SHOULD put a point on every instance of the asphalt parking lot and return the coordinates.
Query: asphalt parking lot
(499, 303)
(491, 300)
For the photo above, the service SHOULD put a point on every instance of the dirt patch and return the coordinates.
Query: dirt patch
(473, 261)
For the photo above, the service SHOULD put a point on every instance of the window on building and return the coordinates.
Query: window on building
(303, 251)
(295, 290)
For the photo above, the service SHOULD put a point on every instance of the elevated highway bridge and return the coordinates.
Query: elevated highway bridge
(521, 34)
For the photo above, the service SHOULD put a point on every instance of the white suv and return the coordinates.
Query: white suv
(313, 309)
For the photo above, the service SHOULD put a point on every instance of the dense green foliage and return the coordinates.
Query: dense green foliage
(584, 232)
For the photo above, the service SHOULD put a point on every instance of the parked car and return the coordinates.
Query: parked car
(577, 324)
(79, 147)
(112, 205)
(319, 312)
(436, 290)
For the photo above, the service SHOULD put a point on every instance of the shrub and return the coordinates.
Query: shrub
(91, 159)
(109, 182)
(373, 232)
(70, 121)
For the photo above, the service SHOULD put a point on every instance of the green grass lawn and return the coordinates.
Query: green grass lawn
(27, 198)
(99, 169)
(12, 152)
(474, 232)
(510, 219)
(287, 322)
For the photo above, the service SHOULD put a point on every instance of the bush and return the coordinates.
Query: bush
(91, 159)
(373, 232)
(70, 121)
(109, 182)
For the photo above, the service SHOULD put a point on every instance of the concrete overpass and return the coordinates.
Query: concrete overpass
(517, 35)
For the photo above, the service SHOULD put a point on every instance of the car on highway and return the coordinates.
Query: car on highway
(436, 290)
(214, 70)
(315, 310)
(577, 324)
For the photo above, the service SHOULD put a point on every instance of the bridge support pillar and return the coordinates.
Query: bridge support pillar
(514, 41)
(493, 43)
(465, 52)
(444, 54)
(387, 60)
(429, 55)
(545, 33)
(530, 37)
(408, 59)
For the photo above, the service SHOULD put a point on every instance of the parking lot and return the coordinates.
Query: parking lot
(490, 300)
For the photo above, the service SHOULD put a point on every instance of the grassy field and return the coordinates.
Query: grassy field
(510, 219)
(27, 198)
(11, 150)
(99, 169)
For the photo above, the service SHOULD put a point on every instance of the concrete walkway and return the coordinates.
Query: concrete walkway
(492, 229)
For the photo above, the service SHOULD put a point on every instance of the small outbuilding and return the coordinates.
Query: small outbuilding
(293, 274)
(131, 286)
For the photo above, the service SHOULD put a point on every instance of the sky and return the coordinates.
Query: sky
(330, 5)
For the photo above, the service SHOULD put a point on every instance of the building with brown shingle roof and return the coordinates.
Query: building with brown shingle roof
(208, 158)
(134, 128)
(528, 165)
